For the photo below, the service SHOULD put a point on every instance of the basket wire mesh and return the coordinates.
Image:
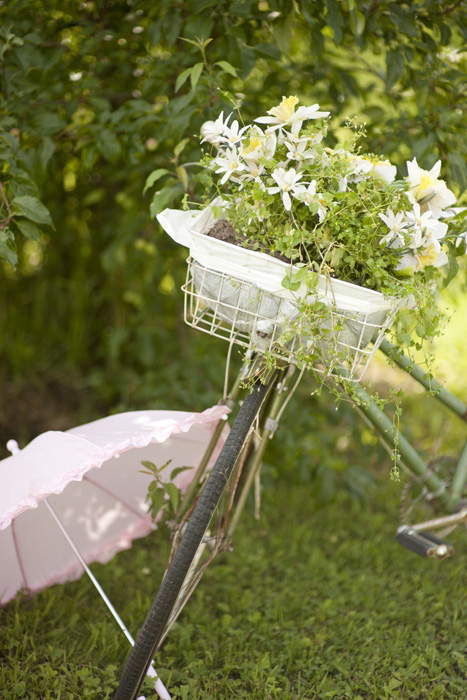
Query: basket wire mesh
(335, 343)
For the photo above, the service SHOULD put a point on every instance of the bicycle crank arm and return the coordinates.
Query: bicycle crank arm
(444, 521)
(424, 543)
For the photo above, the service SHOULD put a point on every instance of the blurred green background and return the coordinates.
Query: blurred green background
(96, 96)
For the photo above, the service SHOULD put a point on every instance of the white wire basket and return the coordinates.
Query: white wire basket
(333, 341)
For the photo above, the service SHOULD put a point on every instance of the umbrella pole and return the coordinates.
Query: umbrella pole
(159, 687)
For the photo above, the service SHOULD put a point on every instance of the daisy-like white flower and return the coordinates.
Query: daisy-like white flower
(287, 181)
(253, 173)
(298, 150)
(214, 131)
(426, 189)
(309, 195)
(396, 225)
(426, 222)
(228, 162)
(233, 134)
(285, 114)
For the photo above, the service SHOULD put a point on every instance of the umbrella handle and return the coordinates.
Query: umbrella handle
(159, 686)
(13, 447)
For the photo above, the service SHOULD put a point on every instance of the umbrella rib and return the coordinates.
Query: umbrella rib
(117, 498)
(159, 686)
(18, 555)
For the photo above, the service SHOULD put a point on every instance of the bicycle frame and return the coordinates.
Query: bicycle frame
(407, 457)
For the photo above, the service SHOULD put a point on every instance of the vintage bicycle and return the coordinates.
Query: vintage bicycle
(237, 310)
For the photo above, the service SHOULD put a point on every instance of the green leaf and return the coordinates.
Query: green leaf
(183, 176)
(335, 19)
(8, 247)
(160, 200)
(453, 265)
(31, 208)
(404, 21)
(46, 151)
(154, 177)
(174, 494)
(395, 67)
(157, 499)
(149, 465)
(459, 169)
(180, 146)
(195, 74)
(108, 145)
(48, 123)
(317, 42)
(178, 470)
(28, 229)
(282, 34)
(267, 51)
(288, 283)
(241, 9)
(182, 78)
(227, 68)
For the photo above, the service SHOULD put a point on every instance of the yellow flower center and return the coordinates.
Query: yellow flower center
(428, 257)
(285, 110)
(426, 182)
(255, 142)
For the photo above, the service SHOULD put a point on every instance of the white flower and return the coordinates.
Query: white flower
(287, 182)
(372, 167)
(285, 114)
(383, 170)
(253, 173)
(229, 163)
(395, 224)
(342, 184)
(359, 168)
(259, 146)
(426, 189)
(428, 256)
(297, 150)
(308, 195)
(232, 134)
(426, 222)
(213, 131)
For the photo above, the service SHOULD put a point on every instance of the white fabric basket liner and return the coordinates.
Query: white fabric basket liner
(266, 272)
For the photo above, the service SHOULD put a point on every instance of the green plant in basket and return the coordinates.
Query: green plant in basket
(336, 212)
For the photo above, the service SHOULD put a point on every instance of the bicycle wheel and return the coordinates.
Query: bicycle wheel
(153, 627)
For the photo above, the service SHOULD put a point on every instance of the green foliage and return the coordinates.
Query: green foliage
(311, 604)
(97, 96)
(163, 494)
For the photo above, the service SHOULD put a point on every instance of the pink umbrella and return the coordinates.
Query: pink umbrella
(71, 498)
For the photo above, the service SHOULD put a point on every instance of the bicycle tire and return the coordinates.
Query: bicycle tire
(152, 629)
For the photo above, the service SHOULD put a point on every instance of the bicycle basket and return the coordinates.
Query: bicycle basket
(334, 341)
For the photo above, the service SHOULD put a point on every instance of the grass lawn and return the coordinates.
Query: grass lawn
(313, 603)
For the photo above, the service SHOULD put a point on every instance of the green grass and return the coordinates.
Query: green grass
(312, 603)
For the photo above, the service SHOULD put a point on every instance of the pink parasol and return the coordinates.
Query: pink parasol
(87, 484)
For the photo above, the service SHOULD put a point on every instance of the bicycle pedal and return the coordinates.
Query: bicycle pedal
(424, 543)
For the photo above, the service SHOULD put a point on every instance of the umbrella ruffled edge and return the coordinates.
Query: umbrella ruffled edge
(73, 572)
(104, 454)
